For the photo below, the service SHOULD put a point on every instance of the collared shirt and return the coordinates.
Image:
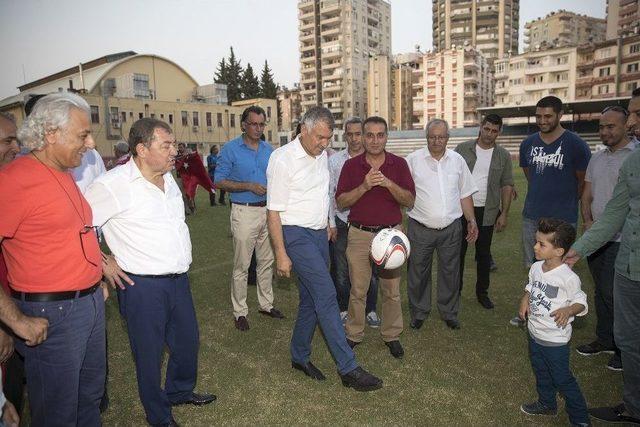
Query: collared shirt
(440, 185)
(91, 167)
(500, 175)
(336, 162)
(298, 186)
(622, 212)
(239, 162)
(602, 173)
(376, 207)
(143, 225)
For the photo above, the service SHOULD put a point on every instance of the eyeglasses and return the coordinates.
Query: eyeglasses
(438, 138)
(85, 233)
(256, 125)
(617, 109)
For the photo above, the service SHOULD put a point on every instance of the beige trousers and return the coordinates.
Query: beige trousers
(249, 230)
(358, 247)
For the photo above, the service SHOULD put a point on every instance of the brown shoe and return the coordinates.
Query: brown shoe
(242, 324)
(274, 312)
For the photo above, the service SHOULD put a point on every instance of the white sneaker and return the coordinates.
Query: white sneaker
(343, 317)
(373, 320)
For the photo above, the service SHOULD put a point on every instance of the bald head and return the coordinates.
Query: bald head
(8, 142)
(613, 129)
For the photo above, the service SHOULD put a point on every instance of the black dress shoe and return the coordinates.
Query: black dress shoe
(309, 370)
(274, 312)
(452, 323)
(395, 348)
(361, 380)
(242, 324)
(416, 323)
(614, 414)
(485, 301)
(352, 344)
(197, 399)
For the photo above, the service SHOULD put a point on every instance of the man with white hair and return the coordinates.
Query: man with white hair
(54, 264)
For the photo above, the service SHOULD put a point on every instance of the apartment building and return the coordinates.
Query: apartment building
(289, 108)
(389, 92)
(124, 87)
(608, 69)
(524, 79)
(491, 26)
(563, 29)
(337, 37)
(623, 18)
(451, 85)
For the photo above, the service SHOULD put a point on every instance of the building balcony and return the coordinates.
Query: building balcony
(333, 53)
(307, 59)
(308, 79)
(502, 91)
(471, 94)
(307, 36)
(331, 65)
(331, 97)
(307, 48)
(627, 77)
(330, 7)
(306, 26)
(334, 31)
(330, 20)
(332, 76)
(584, 81)
(543, 69)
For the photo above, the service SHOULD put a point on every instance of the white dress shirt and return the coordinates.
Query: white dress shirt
(298, 186)
(439, 187)
(91, 167)
(336, 162)
(143, 225)
(481, 175)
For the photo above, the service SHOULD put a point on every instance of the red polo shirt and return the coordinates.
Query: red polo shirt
(376, 207)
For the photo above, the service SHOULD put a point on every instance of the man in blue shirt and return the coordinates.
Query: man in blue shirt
(212, 162)
(241, 171)
(554, 161)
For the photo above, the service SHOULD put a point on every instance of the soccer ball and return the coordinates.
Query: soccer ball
(390, 248)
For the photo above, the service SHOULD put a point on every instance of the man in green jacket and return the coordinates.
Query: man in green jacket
(622, 214)
(490, 166)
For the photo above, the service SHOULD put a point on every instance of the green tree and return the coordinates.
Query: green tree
(249, 85)
(234, 78)
(222, 74)
(268, 87)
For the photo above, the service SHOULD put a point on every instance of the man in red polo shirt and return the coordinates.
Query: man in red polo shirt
(375, 186)
(54, 263)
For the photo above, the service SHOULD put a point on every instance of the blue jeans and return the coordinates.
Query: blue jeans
(626, 302)
(66, 372)
(160, 311)
(341, 267)
(309, 252)
(553, 375)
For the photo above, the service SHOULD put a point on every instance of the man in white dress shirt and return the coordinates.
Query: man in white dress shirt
(140, 209)
(297, 217)
(444, 186)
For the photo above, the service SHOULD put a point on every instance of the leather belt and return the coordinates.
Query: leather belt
(370, 229)
(254, 204)
(156, 276)
(53, 296)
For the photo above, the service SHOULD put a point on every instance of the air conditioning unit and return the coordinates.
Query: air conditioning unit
(195, 128)
(115, 125)
(209, 129)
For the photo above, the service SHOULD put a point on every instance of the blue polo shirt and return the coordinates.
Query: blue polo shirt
(240, 163)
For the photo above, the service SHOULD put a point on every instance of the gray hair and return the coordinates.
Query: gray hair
(122, 147)
(8, 116)
(317, 114)
(434, 122)
(352, 121)
(50, 113)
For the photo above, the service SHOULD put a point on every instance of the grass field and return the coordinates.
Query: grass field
(478, 375)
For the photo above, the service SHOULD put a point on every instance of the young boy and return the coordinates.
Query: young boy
(552, 298)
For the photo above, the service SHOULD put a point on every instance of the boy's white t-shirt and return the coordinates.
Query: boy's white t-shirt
(550, 291)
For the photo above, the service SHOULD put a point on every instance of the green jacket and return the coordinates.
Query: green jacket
(621, 213)
(500, 175)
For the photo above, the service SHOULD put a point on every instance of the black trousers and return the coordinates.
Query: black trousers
(14, 380)
(483, 252)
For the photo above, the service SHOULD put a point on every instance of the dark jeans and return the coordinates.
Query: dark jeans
(551, 368)
(13, 379)
(601, 265)
(483, 252)
(65, 374)
(309, 253)
(212, 195)
(626, 300)
(341, 271)
(159, 312)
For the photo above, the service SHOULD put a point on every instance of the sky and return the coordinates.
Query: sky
(42, 37)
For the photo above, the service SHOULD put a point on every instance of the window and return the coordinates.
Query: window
(140, 115)
(604, 71)
(270, 135)
(632, 86)
(208, 118)
(196, 118)
(562, 60)
(604, 53)
(232, 121)
(153, 115)
(161, 116)
(123, 117)
(603, 89)
(269, 115)
(141, 85)
(170, 119)
(632, 68)
(185, 118)
(219, 119)
(95, 114)
(114, 116)
(634, 48)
